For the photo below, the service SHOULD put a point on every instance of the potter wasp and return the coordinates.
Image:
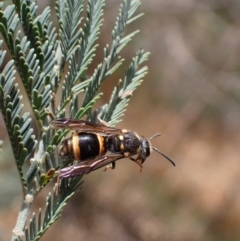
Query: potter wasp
(94, 146)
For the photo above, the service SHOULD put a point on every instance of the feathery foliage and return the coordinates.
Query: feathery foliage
(43, 59)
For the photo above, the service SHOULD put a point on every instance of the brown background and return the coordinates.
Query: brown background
(191, 96)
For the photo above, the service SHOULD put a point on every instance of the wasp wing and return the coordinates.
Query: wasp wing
(88, 166)
(83, 126)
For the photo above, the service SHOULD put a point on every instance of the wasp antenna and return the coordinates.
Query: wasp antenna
(155, 135)
(161, 153)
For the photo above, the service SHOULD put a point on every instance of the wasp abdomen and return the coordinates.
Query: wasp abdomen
(89, 145)
(83, 146)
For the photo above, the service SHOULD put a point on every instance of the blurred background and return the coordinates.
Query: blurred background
(191, 95)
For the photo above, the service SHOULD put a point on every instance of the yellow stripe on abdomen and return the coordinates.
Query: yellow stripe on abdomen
(76, 147)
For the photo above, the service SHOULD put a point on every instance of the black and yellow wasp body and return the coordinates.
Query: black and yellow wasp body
(94, 146)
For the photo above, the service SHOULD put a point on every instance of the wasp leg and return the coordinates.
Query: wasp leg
(139, 164)
(111, 165)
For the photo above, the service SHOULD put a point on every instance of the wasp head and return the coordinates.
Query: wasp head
(145, 150)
